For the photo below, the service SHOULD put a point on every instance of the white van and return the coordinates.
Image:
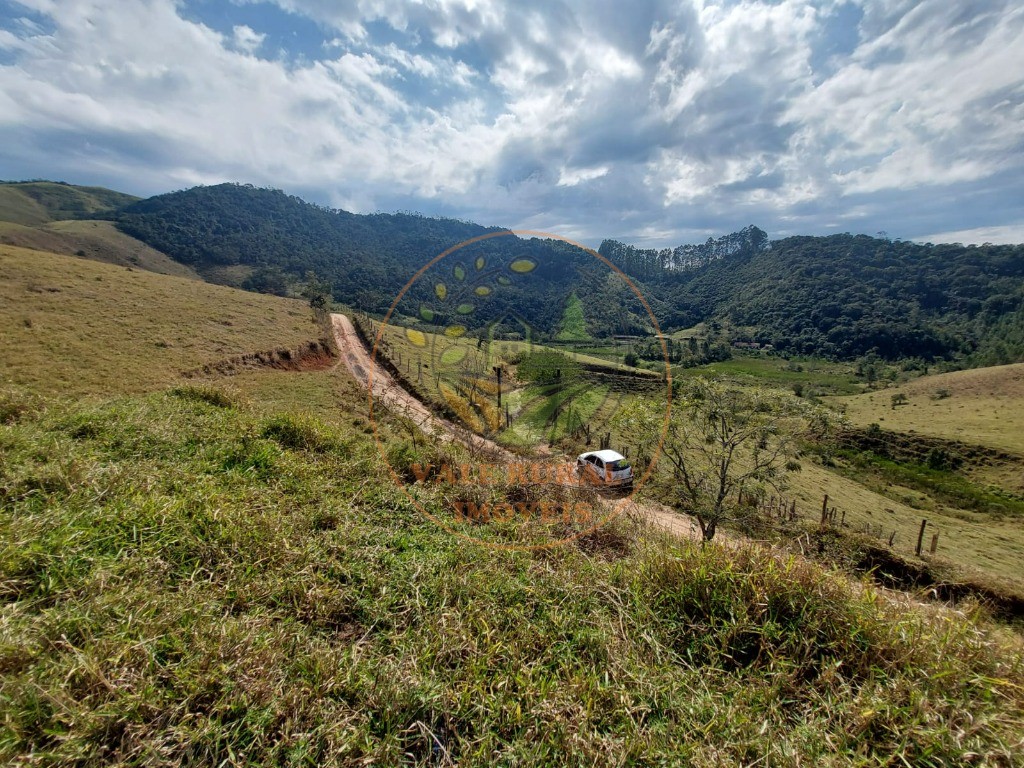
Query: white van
(605, 468)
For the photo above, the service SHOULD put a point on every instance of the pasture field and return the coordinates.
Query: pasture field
(817, 377)
(984, 406)
(274, 598)
(96, 240)
(77, 327)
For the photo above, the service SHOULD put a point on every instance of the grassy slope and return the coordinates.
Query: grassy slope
(194, 576)
(985, 406)
(73, 326)
(573, 326)
(17, 207)
(96, 240)
(976, 542)
(261, 595)
(37, 202)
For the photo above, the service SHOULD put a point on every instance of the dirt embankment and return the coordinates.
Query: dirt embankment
(312, 356)
(903, 446)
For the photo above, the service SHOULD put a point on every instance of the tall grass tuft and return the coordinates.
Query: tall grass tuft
(206, 393)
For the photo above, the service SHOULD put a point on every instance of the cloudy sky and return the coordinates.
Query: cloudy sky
(655, 123)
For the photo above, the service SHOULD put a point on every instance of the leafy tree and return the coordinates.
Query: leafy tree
(267, 280)
(722, 440)
(317, 293)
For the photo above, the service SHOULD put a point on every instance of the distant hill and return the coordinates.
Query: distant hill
(843, 296)
(847, 295)
(266, 240)
(37, 202)
(56, 218)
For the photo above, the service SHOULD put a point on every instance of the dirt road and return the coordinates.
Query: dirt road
(387, 392)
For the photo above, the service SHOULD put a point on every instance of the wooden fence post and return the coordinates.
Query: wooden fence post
(824, 509)
(920, 538)
(935, 543)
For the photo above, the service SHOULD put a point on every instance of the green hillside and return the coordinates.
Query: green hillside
(841, 297)
(225, 572)
(262, 239)
(37, 202)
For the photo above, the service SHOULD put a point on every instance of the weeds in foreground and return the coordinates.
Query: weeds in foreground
(190, 583)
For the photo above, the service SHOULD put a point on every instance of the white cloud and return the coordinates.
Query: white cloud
(570, 177)
(1011, 234)
(915, 106)
(247, 39)
(655, 118)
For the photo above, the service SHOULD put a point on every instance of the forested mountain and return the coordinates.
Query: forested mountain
(368, 259)
(840, 296)
(848, 295)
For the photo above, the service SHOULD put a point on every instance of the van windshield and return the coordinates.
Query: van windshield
(615, 466)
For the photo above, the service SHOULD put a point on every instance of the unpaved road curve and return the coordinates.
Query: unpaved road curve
(388, 392)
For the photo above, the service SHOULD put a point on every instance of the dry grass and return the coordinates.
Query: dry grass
(73, 326)
(984, 406)
(972, 541)
(96, 240)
